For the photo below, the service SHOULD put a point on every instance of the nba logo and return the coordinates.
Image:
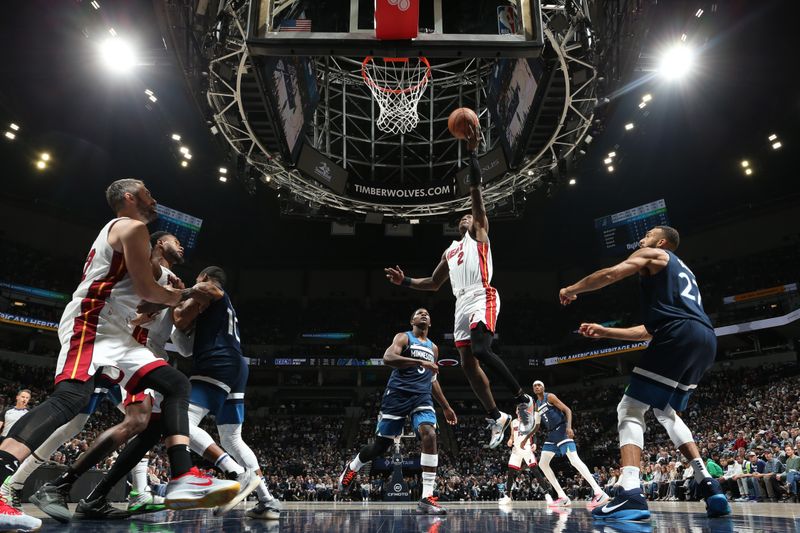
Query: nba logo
(396, 19)
(506, 20)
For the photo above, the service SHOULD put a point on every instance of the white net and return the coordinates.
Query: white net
(397, 84)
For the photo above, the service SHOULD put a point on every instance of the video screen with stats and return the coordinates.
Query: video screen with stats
(619, 234)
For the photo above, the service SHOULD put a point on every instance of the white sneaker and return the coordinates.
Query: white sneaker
(15, 520)
(525, 415)
(548, 499)
(248, 482)
(195, 490)
(505, 500)
(498, 428)
(562, 502)
(268, 510)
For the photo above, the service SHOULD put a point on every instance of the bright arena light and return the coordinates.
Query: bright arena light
(676, 62)
(176, 137)
(629, 126)
(776, 145)
(745, 163)
(10, 135)
(607, 160)
(572, 181)
(44, 156)
(771, 137)
(184, 164)
(41, 165)
(118, 55)
(748, 171)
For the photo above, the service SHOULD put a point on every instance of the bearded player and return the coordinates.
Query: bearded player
(468, 264)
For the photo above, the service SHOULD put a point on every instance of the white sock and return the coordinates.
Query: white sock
(700, 470)
(428, 483)
(629, 479)
(356, 464)
(140, 475)
(583, 470)
(228, 465)
(263, 492)
(25, 470)
(544, 465)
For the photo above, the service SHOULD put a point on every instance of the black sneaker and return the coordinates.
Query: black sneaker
(99, 509)
(627, 505)
(52, 500)
(430, 505)
(716, 502)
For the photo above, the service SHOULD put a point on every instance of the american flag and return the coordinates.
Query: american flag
(295, 25)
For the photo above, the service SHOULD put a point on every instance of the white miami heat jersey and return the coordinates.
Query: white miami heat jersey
(470, 264)
(105, 291)
(155, 334)
(519, 438)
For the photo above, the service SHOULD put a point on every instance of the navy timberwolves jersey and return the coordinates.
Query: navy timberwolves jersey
(551, 417)
(414, 378)
(216, 334)
(672, 294)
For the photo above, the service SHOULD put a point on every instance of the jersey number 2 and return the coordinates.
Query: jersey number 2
(687, 291)
(460, 258)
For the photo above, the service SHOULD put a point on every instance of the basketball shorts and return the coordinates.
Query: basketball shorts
(105, 387)
(220, 389)
(519, 456)
(397, 405)
(558, 443)
(85, 348)
(475, 304)
(155, 398)
(673, 364)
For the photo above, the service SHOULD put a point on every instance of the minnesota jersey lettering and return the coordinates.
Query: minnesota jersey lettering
(416, 378)
(550, 416)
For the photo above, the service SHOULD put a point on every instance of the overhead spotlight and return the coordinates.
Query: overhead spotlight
(118, 55)
(684, 37)
(176, 137)
(629, 126)
(573, 181)
(44, 156)
(745, 163)
(612, 154)
(607, 160)
(153, 99)
(776, 145)
(148, 92)
(187, 155)
(642, 105)
(530, 173)
(16, 128)
(184, 150)
(95, 4)
(10, 135)
(41, 165)
(413, 221)
(223, 170)
(748, 171)
(588, 139)
(610, 168)
(112, 31)
(223, 179)
(771, 137)
(699, 13)
(268, 178)
(647, 97)
(184, 164)
(676, 62)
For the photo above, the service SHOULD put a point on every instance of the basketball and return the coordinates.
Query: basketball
(459, 121)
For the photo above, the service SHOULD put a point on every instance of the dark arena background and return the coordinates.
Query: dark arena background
(260, 128)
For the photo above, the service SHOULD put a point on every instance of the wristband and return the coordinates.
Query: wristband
(406, 281)
(475, 177)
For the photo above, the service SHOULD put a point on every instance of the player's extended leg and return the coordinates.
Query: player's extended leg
(369, 452)
(12, 486)
(681, 436)
(498, 420)
(599, 497)
(429, 460)
(544, 464)
(511, 475)
(629, 503)
(95, 506)
(481, 346)
(52, 496)
(548, 488)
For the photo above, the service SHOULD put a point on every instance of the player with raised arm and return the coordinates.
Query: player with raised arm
(682, 348)
(468, 264)
(93, 334)
(556, 418)
(410, 392)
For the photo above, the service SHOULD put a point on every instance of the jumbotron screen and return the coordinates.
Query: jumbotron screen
(184, 227)
(619, 234)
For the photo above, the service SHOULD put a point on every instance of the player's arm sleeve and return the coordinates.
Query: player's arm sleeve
(183, 341)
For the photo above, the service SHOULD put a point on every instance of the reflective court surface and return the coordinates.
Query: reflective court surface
(378, 517)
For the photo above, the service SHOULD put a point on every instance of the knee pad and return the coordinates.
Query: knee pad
(230, 437)
(630, 421)
(199, 440)
(676, 428)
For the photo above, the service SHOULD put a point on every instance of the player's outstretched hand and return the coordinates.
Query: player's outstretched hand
(433, 367)
(566, 296)
(473, 137)
(395, 275)
(593, 331)
(450, 416)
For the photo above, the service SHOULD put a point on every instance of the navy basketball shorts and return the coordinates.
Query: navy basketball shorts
(557, 441)
(397, 405)
(671, 367)
(220, 389)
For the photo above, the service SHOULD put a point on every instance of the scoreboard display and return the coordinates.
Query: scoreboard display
(184, 227)
(619, 234)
